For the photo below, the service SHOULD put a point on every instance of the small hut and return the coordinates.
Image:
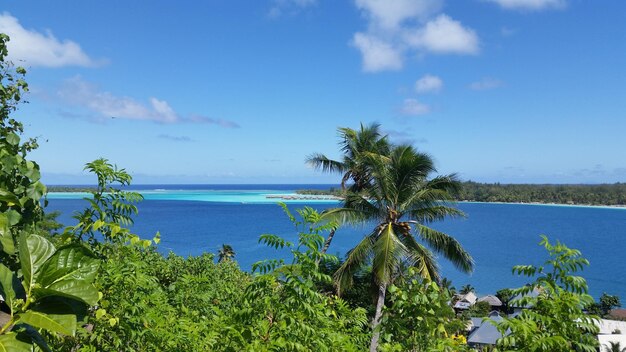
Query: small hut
(493, 301)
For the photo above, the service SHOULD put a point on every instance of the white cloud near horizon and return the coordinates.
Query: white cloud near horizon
(400, 28)
(41, 49)
(428, 84)
(105, 105)
(412, 107)
(532, 5)
(288, 7)
(486, 84)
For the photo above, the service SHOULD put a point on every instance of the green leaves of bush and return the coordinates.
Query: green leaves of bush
(54, 283)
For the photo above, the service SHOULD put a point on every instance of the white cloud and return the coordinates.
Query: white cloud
(104, 105)
(414, 108)
(41, 49)
(377, 54)
(530, 4)
(288, 7)
(400, 28)
(486, 84)
(391, 13)
(428, 84)
(444, 35)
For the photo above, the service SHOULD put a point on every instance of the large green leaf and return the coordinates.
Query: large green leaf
(36, 190)
(61, 323)
(31, 334)
(34, 251)
(6, 240)
(69, 273)
(10, 343)
(12, 216)
(13, 139)
(10, 286)
(56, 305)
(8, 197)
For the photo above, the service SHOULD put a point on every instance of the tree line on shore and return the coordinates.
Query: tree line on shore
(575, 194)
(96, 286)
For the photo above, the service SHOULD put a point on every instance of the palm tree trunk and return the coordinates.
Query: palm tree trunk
(328, 240)
(382, 291)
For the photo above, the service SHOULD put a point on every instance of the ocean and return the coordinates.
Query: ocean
(193, 219)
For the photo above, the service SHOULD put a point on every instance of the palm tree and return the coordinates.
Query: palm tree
(354, 145)
(400, 198)
(225, 253)
(467, 289)
(446, 284)
(614, 347)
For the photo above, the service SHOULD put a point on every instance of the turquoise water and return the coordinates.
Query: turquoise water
(498, 236)
(224, 196)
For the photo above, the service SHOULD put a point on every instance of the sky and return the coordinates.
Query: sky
(229, 91)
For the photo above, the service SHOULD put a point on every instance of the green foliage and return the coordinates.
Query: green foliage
(505, 296)
(392, 187)
(614, 347)
(355, 145)
(47, 289)
(225, 253)
(153, 303)
(604, 305)
(419, 318)
(282, 309)
(110, 209)
(20, 188)
(604, 194)
(556, 321)
(54, 285)
(467, 289)
(480, 309)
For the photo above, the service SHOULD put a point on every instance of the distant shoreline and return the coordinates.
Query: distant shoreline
(602, 206)
(325, 196)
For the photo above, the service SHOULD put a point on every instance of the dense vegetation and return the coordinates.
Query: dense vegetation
(96, 286)
(581, 194)
(603, 194)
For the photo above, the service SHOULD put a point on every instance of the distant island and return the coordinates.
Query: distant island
(574, 194)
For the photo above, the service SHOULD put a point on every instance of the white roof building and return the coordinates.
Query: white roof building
(609, 327)
(492, 300)
(466, 301)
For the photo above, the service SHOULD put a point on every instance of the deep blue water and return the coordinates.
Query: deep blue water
(498, 236)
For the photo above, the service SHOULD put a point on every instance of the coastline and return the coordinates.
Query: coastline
(599, 206)
(273, 196)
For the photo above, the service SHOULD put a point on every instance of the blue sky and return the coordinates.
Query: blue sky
(241, 91)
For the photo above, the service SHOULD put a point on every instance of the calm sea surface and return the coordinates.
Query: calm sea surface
(193, 219)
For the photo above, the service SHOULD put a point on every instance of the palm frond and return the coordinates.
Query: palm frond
(355, 259)
(389, 252)
(325, 164)
(448, 183)
(344, 216)
(448, 247)
(433, 213)
(421, 258)
(360, 203)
